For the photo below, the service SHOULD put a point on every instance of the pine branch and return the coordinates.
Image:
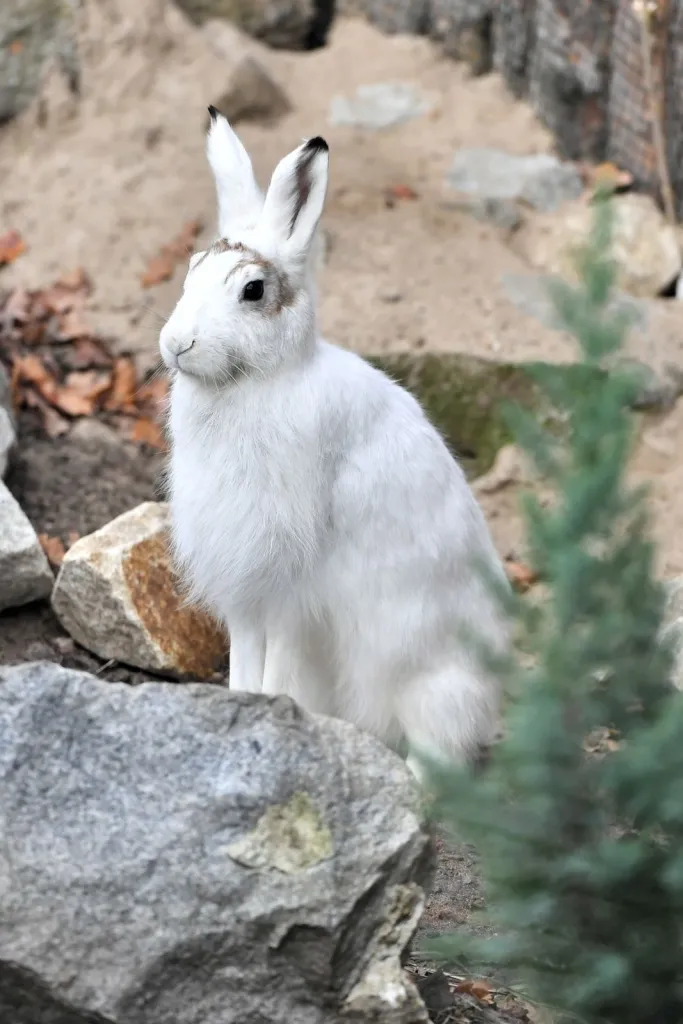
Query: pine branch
(582, 849)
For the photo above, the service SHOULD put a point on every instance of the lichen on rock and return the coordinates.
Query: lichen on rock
(289, 837)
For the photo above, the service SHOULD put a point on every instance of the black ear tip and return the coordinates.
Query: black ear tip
(213, 113)
(317, 145)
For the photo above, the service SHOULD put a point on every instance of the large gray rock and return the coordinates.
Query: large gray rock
(539, 179)
(379, 105)
(33, 33)
(186, 855)
(531, 293)
(8, 435)
(25, 573)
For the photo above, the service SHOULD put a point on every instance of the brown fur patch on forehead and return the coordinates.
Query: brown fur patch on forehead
(282, 292)
(225, 245)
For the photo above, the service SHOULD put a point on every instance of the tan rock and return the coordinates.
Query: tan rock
(644, 245)
(117, 595)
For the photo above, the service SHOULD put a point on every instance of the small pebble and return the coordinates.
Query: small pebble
(64, 645)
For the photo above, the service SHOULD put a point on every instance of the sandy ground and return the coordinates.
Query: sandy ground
(109, 185)
(105, 182)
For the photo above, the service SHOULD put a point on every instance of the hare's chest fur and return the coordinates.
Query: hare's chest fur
(246, 506)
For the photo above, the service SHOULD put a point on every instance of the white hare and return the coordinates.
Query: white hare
(315, 509)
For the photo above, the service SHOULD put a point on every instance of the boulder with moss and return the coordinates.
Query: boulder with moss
(466, 397)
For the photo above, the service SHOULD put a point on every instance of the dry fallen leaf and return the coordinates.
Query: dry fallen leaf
(33, 332)
(75, 281)
(65, 299)
(88, 383)
(53, 548)
(58, 301)
(479, 989)
(607, 175)
(73, 403)
(12, 246)
(73, 324)
(54, 425)
(521, 576)
(161, 268)
(148, 432)
(18, 305)
(33, 371)
(402, 192)
(183, 244)
(124, 386)
(86, 354)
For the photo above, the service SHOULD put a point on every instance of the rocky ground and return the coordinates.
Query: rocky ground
(433, 262)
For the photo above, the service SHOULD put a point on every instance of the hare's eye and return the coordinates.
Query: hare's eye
(253, 291)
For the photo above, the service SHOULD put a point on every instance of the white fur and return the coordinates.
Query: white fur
(315, 510)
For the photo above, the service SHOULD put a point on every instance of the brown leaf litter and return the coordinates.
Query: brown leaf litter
(455, 999)
(62, 370)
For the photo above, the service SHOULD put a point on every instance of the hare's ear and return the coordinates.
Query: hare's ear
(240, 200)
(295, 199)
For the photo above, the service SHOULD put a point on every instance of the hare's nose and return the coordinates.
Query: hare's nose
(178, 346)
(173, 348)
